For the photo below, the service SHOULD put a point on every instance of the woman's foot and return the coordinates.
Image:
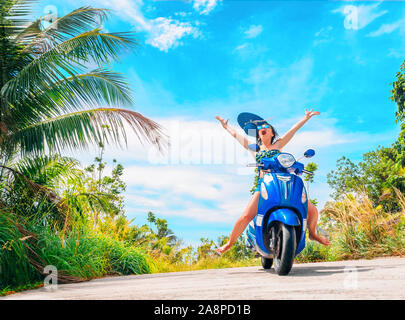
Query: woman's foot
(224, 248)
(321, 240)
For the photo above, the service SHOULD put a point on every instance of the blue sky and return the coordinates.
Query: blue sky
(201, 58)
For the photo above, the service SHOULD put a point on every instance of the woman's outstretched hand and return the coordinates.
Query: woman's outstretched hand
(224, 248)
(309, 114)
(223, 122)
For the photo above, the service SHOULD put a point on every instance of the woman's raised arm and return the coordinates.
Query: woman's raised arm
(280, 143)
(241, 139)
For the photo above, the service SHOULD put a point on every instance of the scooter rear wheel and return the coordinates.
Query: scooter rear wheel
(267, 263)
(286, 246)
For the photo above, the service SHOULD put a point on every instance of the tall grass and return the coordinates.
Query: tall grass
(357, 229)
(360, 230)
(161, 264)
(15, 268)
(79, 253)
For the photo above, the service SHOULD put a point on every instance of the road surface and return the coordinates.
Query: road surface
(382, 278)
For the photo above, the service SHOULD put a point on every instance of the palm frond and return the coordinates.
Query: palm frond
(36, 76)
(82, 91)
(44, 88)
(15, 14)
(38, 189)
(95, 201)
(70, 25)
(63, 60)
(97, 46)
(49, 171)
(14, 17)
(28, 34)
(77, 130)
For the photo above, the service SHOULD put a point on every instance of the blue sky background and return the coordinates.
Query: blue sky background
(201, 58)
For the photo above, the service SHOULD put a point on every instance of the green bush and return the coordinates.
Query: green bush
(313, 252)
(15, 268)
(125, 259)
(79, 253)
(87, 255)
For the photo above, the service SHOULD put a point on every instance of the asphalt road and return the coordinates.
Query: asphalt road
(382, 278)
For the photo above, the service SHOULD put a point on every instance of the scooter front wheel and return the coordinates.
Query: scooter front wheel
(267, 263)
(285, 248)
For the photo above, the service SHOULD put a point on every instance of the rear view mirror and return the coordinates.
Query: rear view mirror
(309, 153)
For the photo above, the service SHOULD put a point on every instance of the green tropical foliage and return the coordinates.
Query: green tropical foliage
(381, 171)
(367, 214)
(311, 167)
(58, 92)
(377, 172)
(56, 89)
(398, 96)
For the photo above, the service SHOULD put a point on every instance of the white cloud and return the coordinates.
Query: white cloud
(387, 28)
(316, 139)
(323, 36)
(150, 202)
(280, 83)
(203, 183)
(205, 6)
(358, 17)
(186, 188)
(130, 10)
(166, 33)
(161, 32)
(395, 53)
(248, 49)
(208, 182)
(251, 51)
(262, 72)
(242, 46)
(253, 31)
(189, 187)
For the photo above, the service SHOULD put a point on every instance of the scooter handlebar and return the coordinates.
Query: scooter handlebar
(255, 165)
(262, 166)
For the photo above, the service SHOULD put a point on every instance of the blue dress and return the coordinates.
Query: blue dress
(264, 154)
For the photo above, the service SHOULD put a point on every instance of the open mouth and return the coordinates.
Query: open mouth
(263, 131)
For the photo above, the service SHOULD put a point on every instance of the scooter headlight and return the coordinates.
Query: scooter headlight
(286, 160)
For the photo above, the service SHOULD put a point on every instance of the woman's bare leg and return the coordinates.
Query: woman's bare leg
(242, 222)
(312, 222)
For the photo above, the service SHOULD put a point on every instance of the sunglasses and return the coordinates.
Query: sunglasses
(265, 126)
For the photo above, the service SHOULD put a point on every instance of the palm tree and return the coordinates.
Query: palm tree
(49, 99)
(60, 177)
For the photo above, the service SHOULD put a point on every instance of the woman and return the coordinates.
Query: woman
(269, 146)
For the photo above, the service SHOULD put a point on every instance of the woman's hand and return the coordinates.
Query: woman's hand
(241, 139)
(280, 143)
(309, 114)
(223, 122)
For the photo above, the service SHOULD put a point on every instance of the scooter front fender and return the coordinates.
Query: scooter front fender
(286, 216)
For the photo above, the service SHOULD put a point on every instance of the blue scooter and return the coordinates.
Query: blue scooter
(277, 233)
